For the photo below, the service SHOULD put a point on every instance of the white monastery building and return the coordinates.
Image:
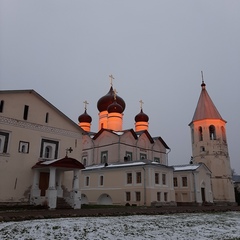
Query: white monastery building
(46, 158)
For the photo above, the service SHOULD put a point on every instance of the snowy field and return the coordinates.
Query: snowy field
(195, 226)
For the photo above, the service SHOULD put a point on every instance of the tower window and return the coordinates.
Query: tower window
(212, 132)
(25, 112)
(200, 133)
(223, 134)
(202, 149)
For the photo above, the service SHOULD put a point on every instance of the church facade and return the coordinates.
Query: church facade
(45, 156)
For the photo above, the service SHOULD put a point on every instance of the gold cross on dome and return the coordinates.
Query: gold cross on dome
(111, 79)
(141, 103)
(85, 104)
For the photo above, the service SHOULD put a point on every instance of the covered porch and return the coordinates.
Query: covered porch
(47, 182)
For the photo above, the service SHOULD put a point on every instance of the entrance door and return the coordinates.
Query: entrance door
(43, 182)
(203, 195)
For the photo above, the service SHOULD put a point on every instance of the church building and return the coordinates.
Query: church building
(46, 158)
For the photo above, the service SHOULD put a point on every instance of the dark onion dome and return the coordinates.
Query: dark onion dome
(108, 99)
(141, 117)
(85, 117)
(115, 108)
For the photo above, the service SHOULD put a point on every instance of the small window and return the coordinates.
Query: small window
(165, 196)
(156, 159)
(156, 178)
(158, 196)
(184, 181)
(104, 157)
(101, 180)
(1, 105)
(163, 179)
(84, 160)
(128, 156)
(138, 196)
(138, 177)
(46, 117)
(175, 182)
(23, 147)
(87, 181)
(128, 196)
(129, 178)
(4, 141)
(200, 132)
(25, 112)
(143, 156)
(212, 132)
(202, 149)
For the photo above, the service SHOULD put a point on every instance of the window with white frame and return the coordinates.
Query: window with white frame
(23, 147)
(49, 149)
(4, 142)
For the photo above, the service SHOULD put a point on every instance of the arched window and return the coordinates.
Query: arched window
(48, 152)
(212, 132)
(200, 133)
(223, 134)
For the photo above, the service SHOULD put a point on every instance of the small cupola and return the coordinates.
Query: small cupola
(85, 119)
(141, 120)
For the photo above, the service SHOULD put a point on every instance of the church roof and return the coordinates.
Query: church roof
(205, 107)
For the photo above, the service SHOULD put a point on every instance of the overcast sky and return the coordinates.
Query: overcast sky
(156, 50)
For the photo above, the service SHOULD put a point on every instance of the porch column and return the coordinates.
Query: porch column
(52, 192)
(75, 191)
(35, 191)
(59, 184)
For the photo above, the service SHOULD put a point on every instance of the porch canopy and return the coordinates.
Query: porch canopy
(50, 184)
(65, 163)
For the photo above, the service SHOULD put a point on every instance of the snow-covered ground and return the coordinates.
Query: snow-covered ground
(197, 226)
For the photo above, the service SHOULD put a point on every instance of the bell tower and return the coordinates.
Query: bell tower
(209, 146)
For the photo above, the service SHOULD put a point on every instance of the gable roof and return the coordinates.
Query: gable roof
(205, 107)
(33, 92)
(65, 163)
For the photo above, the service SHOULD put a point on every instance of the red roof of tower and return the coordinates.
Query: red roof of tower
(205, 107)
